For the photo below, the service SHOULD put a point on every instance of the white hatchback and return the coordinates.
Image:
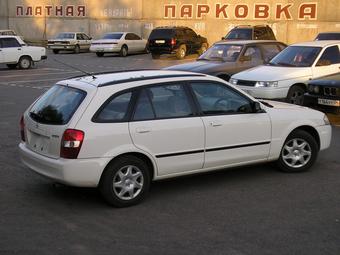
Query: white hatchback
(122, 130)
(287, 74)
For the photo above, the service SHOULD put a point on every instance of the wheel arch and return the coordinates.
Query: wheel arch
(310, 130)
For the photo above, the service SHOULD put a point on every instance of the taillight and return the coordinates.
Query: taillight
(71, 143)
(22, 129)
(173, 41)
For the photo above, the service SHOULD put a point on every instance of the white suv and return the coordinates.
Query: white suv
(14, 52)
(287, 74)
(120, 131)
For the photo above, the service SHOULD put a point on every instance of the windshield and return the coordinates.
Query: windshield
(65, 36)
(239, 34)
(113, 36)
(222, 52)
(57, 105)
(296, 56)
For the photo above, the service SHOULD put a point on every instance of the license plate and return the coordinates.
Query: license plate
(160, 41)
(38, 142)
(328, 102)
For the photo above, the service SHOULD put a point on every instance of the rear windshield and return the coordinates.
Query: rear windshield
(240, 34)
(112, 36)
(162, 34)
(57, 105)
(328, 36)
(65, 36)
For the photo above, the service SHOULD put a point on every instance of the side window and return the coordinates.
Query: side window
(115, 110)
(80, 37)
(269, 51)
(10, 43)
(85, 37)
(260, 33)
(217, 99)
(135, 37)
(254, 53)
(129, 36)
(330, 56)
(190, 33)
(180, 34)
(166, 101)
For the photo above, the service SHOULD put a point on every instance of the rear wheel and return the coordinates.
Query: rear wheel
(55, 51)
(77, 49)
(12, 66)
(25, 62)
(125, 181)
(182, 51)
(123, 51)
(203, 49)
(155, 56)
(298, 153)
(100, 54)
(295, 95)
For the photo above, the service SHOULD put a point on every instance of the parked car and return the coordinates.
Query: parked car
(286, 76)
(258, 32)
(70, 41)
(226, 58)
(119, 42)
(328, 36)
(324, 94)
(176, 40)
(7, 32)
(120, 131)
(14, 52)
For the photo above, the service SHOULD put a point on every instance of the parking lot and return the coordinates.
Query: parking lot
(248, 210)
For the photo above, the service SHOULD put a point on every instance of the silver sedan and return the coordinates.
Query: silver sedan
(119, 42)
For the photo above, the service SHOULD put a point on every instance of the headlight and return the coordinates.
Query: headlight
(310, 88)
(233, 81)
(326, 120)
(266, 84)
(313, 89)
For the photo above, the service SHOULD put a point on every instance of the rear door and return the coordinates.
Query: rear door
(164, 126)
(47, 119)
(328, 62)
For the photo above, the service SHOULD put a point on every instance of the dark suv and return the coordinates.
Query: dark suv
(328, 36)
(175, 40)
(260, 32)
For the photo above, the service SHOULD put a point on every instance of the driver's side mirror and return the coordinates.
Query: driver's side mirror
(257, 107)
(323, 62)
(245, 58)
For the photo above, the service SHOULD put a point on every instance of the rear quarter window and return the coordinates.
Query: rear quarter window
(57, 105)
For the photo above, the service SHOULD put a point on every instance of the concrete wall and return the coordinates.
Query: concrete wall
(141, 16)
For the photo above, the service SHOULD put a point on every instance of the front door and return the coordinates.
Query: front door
(11, 50)
(163, 125)
(234, 132)
(328, 63)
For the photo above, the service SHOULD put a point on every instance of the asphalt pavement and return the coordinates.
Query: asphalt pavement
(243, 211)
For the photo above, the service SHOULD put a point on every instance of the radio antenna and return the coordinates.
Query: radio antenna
(75, 68)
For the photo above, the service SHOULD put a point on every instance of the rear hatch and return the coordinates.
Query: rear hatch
(161, 38)
(50, 116)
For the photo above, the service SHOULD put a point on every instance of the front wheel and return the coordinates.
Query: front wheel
(295, 95)
(182, 51)
(123, 51)
(298, 153)
(125, 182)
(25, 62)
(100, 54)
(77, 49)
(55, 51)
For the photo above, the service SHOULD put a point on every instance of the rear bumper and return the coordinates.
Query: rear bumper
(162, 50)
(74, 172)
(312, 101)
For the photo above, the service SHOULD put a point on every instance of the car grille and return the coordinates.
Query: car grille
(329, 91)
(246, 83)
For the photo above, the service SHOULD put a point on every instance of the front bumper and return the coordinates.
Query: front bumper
(325, 134)
(265, 92)
(74, 172)
(312, 101)
(61, 47)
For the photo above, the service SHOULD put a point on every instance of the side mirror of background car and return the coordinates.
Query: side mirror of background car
(245, 58)
(323, 62)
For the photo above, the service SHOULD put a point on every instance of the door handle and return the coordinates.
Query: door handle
(19, 48)
(143, 130)
(215, 123)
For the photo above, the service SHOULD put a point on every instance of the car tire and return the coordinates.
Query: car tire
(77, 49)
(298, 152)
(155, 56)
(12, 66)
(125, 181)
(124, 51)
(181, 52)
(203, 49)
(55, 51)
(25, 62)
(100, 54)
(295, 95)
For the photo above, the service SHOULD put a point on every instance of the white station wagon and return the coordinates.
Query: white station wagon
(286, 76)
(120, 131)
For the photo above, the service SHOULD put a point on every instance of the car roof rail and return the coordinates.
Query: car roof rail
(111, 72)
